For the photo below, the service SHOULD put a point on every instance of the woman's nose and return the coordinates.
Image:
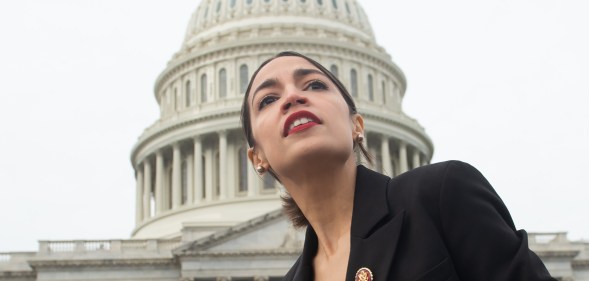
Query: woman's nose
(292, 100)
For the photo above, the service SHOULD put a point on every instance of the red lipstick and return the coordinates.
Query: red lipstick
(299, 121)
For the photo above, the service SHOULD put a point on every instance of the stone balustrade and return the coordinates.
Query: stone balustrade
(107, 246)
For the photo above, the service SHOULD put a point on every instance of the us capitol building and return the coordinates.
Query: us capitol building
(202, 213)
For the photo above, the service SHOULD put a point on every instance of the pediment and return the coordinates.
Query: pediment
(271, 232)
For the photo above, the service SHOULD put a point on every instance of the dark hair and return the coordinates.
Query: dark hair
(291, 209)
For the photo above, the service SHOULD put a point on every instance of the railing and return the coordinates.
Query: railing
(5, 257)
(545, 238)
(107, 246)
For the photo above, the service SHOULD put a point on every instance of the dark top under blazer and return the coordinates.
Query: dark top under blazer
(439, 222)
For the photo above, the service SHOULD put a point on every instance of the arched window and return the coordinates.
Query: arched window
(384, 93)
(232, 3)
(242, 162)
(218, 7)
(188, 94)
(320, 2)
(370, 88)
(243, 78)
(249, 2)
(348, 8)
(354, 83)
(334, 2)
(203, 88)
(334, 70)
(184, 181)
(176, 99)
(222, 83)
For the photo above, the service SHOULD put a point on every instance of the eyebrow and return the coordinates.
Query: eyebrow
(298, 74)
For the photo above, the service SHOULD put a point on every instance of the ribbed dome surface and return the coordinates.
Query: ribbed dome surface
(216, 21)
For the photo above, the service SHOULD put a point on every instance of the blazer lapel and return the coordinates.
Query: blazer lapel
(375, 230)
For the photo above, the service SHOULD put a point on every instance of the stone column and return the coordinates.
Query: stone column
(403, 165)
(159, 182)
(416, 160)
(139, 195)
(146, 189)
(209, 175)
(223, 164)
(385, 152)
(198, 175)
(176, 174)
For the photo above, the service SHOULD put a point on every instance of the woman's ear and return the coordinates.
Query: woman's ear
(358, 123)
(256, 157)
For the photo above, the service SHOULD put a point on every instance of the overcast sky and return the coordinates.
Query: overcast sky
(501, 84)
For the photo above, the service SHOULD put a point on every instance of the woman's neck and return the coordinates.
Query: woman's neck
(326, 198)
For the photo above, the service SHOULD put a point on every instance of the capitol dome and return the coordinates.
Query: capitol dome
(193, 176)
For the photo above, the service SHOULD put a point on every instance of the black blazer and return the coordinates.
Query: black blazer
(440, 222)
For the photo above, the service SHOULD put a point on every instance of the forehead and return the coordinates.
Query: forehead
(282, 67)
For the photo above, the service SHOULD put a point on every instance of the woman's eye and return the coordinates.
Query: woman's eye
(266, 101)
(316, 85)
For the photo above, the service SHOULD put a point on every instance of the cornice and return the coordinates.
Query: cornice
(245, 253)
(40, 264)
(152, 133)
(201, 56)
(18, 274)
(557, 254)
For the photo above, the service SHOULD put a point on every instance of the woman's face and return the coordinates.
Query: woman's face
(298, 117)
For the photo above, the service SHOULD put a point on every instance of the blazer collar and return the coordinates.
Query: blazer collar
(374, 232)
(375, 228)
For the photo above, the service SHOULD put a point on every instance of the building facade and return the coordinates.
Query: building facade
(202, 213)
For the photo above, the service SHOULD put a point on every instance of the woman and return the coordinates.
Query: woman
(438, 222)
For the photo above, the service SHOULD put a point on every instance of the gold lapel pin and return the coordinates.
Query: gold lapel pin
(364, 274)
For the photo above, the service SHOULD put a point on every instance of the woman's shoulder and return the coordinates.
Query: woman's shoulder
(431, 183)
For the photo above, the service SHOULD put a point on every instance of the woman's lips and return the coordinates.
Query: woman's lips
(299, 121)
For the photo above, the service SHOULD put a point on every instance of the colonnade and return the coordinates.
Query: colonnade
(199, 170)
(393, 156)
(214, 167)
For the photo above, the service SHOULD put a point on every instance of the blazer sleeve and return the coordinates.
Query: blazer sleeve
(479, 232)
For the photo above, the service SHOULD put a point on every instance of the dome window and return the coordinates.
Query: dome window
(384, 93)
(203, 88)
(354, 82)
(243, 78)
(370, 88)
(333, 69)
(187, 94)
(222, 83)
(348, 8)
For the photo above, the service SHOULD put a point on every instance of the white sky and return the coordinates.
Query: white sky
(500, 84)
